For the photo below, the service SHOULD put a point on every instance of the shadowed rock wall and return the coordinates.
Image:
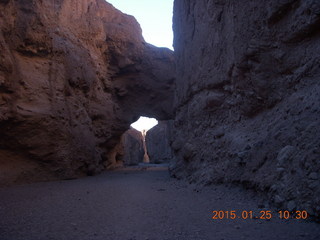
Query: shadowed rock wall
(248, 97)
(73, 76)
(133, 147)
(158, 142)
(129, 151)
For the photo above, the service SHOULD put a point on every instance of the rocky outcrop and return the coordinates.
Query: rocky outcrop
(248, 97)
(158, 142)
(73, 76)
(129, 151)
(133, 147)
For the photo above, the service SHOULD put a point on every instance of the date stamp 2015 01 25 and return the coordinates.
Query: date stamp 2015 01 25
(263, 214)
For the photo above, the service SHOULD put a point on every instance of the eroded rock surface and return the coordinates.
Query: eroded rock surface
(129, 151)
(73, 76)
(158, 142)
(248, 97)
(133, 147)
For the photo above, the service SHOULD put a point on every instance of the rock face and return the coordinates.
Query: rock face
(133, 147)
(158, 142)
(248, 97)
(129, 151)
(73, 76)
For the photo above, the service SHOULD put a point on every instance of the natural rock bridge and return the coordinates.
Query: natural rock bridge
(241, 90)
(74, 76)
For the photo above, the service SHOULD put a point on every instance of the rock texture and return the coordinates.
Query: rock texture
(133, 147)
(73, 76)
(158, 142)
(248, 97)
(129, 151)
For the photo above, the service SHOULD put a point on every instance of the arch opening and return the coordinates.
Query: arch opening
(145, 144)
(156, 139)
(143, 124)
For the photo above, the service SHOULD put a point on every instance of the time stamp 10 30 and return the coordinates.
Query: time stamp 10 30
(263, 214)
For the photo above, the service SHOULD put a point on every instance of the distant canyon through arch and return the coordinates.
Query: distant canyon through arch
(143, 146)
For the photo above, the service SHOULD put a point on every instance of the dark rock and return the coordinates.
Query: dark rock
(291, 205)
(133, 152)
(278, 200)
(314, 176)
(188, 151)
(4, 1)
(284, 155)
(158, 142)
(129, 151)
(250, 68)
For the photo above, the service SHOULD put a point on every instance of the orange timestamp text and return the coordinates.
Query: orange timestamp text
(263, 214)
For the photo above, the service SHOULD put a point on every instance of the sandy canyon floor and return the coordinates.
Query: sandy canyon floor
(138, 204)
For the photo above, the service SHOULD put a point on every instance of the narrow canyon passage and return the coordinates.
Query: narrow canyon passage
(137, 203)
(237, 101)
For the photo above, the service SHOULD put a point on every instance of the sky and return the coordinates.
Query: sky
(155, 18)
(144, 123)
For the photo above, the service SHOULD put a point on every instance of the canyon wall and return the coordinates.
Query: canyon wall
(129, 151)
(133, 147)
(158, 142)
(248, 97)
(73, 76)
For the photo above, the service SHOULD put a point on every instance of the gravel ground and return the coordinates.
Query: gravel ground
(137, 204)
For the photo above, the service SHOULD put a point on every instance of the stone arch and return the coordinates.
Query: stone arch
(71, 85)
